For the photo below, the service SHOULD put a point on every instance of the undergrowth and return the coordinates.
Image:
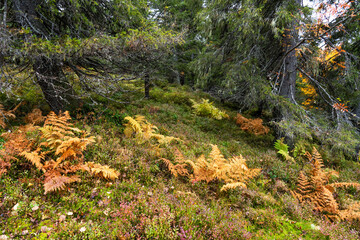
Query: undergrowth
(178, 197)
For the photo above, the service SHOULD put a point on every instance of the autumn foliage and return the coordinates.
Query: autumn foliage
(234, 172)
(315, 189)
(56, 149)
(254, 126)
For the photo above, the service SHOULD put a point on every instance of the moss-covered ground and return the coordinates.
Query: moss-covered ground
(147, 202)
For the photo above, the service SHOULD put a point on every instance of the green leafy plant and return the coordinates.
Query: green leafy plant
(283, 150)
(207, 109)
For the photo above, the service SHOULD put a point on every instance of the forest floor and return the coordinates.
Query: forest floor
(148, 202)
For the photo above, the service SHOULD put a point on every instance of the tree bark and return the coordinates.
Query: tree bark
(289, 72)
(147, 85)
(57, 91)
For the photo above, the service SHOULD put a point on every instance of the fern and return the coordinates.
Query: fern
(34, 157)
(315, 189)
(102, 171)
(254, 126)
(5, 115)
(143, 131)
(58, 182)
(35, 117)
(179, 168)
(58, 152)
(206, 109)
(283, 150)
(233, 172)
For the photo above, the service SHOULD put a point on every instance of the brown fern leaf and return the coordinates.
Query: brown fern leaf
(16, 142)
(102, 171)
(316, 190)
(5, 115)
(34, 157)
(60, 123)
(176, 169)
(351, 213)
(35, 117)
(239, 172)
(4, 165)
(254, 126)
(56, 182)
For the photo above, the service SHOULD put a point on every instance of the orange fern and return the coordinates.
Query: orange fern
(315, 189)
(254, 126)
(233, 172)
(58, 153)
(5, 115)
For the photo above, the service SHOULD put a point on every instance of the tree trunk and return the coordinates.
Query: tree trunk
(147, 85)
(289, 73)
(57, 91)
(287, 87)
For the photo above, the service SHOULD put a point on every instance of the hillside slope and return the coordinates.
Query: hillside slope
(146, 201)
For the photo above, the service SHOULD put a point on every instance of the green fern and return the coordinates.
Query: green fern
(206, 109)
(283, 149)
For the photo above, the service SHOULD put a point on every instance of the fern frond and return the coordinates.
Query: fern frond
(34, 157)
(234, 171)
(73, 147)
(102, 171)
(5, 115)
(206, 109)
(35, 117)
(4, 165)
(164, 140)
(58, 182)
(254, 126)
(316, 190)
(176, 169)
(283, 149)
(133, 126)
(229, 186)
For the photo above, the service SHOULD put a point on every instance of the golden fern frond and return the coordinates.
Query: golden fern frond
(34, 157)
(229, 186)
(238, 171)
(148, 130)
(58, 182)
(102, 171)
(304, 186)
(164, 140)
(351, 213)
(132, 126)
(203, 171)
(179, 157)
(73, 147)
